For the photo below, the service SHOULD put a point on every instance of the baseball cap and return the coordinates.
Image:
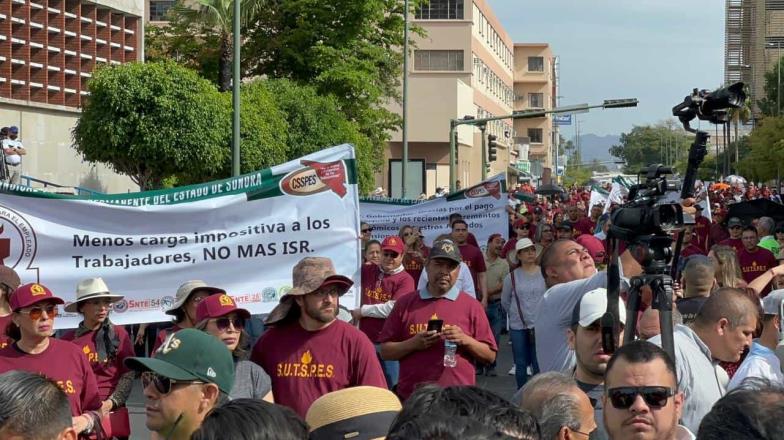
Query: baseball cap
(393, 243)
(190, 354)
(445, 249)
(771, 304)
(215, 306)
(594, 247)
(29, 294)
(564, 226)
(593, 306)
(519, 223)
(185, 290)
(13, 129)
(734, 221)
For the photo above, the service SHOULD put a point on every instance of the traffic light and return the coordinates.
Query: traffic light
(492, 147)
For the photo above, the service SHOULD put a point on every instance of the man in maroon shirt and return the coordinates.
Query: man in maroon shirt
(472, 257)
(381, 287)
(689, 243)
(735, 227)
(308, 352)
(470, 239)
(754, 260)
(701, 229)
(522, 229)
(409, 337)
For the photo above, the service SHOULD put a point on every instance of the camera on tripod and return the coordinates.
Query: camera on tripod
(647, 220)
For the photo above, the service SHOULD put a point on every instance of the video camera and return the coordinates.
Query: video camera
(646, 221)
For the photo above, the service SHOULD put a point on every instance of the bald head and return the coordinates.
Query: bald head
(728, 303)
(698, 276)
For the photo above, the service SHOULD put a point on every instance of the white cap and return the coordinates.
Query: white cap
(771, 304)
(524, 243)
(593, 306)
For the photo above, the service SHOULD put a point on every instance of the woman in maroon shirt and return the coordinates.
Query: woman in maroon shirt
(9, 281)
(106, 345)
(35, 350)
(187, 299)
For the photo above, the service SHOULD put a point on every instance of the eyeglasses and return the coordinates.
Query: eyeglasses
(654, 397)
(388, 254)
(327, 291)
(163, 385)
(224, 322)
(37, 312)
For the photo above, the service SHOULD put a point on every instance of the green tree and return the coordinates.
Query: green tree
(769, 105)
(315, 121)
(214, 18)
(150, 121)
(350, 49)
(176, 42)
(766, 154)
(662, 143)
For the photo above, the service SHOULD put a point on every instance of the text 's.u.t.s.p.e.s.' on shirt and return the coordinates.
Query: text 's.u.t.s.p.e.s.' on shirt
(305, 365)
(379, 288)
(65, 364)
(410, 316)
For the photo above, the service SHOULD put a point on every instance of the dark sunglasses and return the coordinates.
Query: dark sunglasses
(735, 227)
(37, 312)
(654, 397)
(365, 231)
(163, 385)
(224, 322)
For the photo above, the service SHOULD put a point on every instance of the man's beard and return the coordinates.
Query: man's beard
(321, 315)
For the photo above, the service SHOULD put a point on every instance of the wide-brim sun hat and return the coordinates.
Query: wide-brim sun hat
(362, 412)
(92, 288)
(523, 243)
(186, 289)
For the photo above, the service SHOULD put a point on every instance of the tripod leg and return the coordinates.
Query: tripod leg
(632, 306)
(662, 301)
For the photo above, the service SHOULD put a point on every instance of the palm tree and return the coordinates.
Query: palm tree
(216, 16)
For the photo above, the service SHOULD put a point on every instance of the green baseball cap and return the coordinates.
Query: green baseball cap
(190, 354)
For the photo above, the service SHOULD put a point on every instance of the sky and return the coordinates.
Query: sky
(654, 50)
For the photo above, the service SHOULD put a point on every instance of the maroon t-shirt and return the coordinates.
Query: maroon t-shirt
(410, 316)
(472, 240)
(378, 288)
(305, 365)
(717, 234)
(702, 230)
(737, 243)
(63, 363)
(754, 264)
(415, 265)
(107, 373)
(475, 261)
(584, 226)
(691, 249)
(4, 339)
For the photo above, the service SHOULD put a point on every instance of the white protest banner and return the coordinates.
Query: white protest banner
(242, 234)
(482, 206)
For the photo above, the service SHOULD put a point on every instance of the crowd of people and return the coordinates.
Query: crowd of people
(404, 363)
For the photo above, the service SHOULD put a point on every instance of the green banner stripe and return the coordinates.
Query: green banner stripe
(258, 184)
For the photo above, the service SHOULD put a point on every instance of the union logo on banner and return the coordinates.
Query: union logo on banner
(18, 243)
(484, 189)
(317, 177)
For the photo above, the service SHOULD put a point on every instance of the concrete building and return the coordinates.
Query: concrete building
(462, 67)
(535, 88)
(754, 42)
(48, 51)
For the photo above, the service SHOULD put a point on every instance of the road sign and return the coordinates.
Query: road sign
(562, 119)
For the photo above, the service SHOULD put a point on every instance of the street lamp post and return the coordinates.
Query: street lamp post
(235, 94)
(525, 114)
(403, 168)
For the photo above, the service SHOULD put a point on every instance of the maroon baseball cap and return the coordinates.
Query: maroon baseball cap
(393, 243)
(594, 247)
(215, 306)
(32, 293)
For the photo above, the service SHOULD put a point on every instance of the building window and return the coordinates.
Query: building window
(159, 9)
(535, 135)
(536, 100)
(451, 60)
(536, 64)
(441, 10)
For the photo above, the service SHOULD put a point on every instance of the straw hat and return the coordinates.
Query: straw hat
(91, 288)
(362, 413)
(185, 290)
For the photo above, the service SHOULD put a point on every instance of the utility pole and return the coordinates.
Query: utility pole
(483, 129)
(403, 168)
(235, 94)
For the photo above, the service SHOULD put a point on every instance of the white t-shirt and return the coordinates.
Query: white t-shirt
(761, 363)
(464, 281)
(12, 159)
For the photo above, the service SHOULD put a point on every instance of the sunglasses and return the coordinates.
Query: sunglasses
(37, 313)
(365, 231)
(654, 397)
(163, 385)
(224, 322)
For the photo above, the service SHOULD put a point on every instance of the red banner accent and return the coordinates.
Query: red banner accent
(332, 174)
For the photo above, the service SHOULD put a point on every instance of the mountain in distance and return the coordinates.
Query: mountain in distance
(597, 147)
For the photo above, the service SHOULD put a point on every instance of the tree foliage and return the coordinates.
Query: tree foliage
(769, 104)
(766, 144)
(647, 144)
(200, 52)
(151, 121)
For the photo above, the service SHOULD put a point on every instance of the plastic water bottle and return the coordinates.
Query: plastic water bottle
(450, 354)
